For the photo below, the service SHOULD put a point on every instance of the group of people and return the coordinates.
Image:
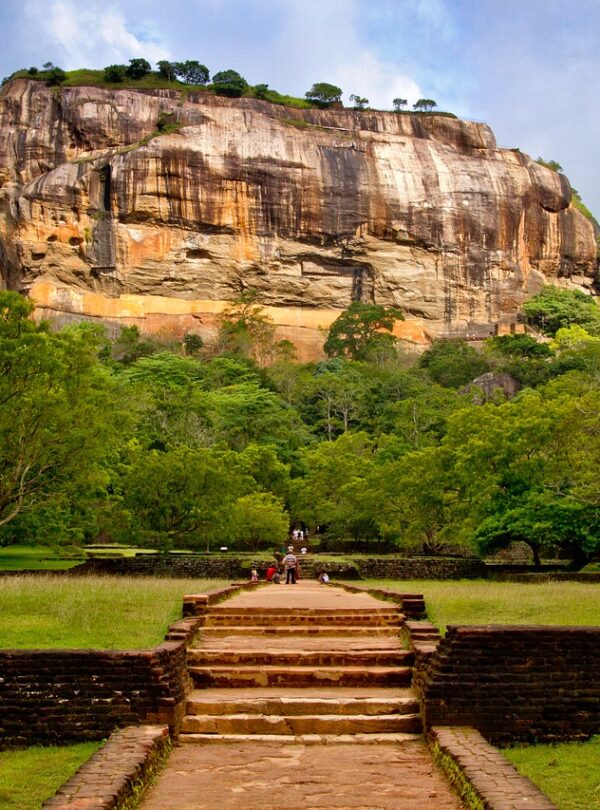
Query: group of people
(291, 570)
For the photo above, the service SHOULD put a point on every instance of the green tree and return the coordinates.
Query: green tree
(319, 497)
(361, 331)
(192, 343)
(399, 104)
(167, 70)
(415, 500)
(262, 464)
(324, 95)
(550, 164)
(138, 68)
(261, 91)
(59, 411)
(192, 72)
(183, 496)
(553, 308)
(246, 330)
(115, 73)
(424, 105)
(129, 346)
(529, 461)
(259, 521)
(453, 363)
(56, 76)
(359, 102)
(229, 83)
(544, 523)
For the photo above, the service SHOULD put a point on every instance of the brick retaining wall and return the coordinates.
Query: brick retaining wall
(197, 567)
(50, 696)
(514, 682)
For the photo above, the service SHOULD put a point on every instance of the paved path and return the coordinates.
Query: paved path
(269, 776)
(260, 775)
(304, 594)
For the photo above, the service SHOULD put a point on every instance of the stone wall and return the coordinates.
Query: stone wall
(51, 696)
(232, 567)
(514, 682)
(421, 568)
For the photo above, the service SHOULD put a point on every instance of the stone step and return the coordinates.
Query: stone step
(241, 676)
(390, 657)
(301, 739)
(243, 723)
(302, 619)
(306, 630)
(268, 702)
(304, 611)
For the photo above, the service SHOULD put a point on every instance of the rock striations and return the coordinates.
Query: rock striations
(157, 207)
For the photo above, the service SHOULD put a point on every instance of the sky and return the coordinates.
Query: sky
(528, 68)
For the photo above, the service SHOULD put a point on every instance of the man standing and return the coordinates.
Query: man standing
(289, 566)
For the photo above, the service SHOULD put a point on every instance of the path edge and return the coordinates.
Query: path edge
(483, 778)
(117, 776)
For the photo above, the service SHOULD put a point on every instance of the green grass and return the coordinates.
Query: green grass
(567, 772)
(29, 776)
(483, 602)
(35, 558)
(98, 612)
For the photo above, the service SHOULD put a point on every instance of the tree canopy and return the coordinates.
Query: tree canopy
(324, 94)
(361, 331)
(155, 441)
(229, 83)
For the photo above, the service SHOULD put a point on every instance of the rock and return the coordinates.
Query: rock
(488, 386)
(312, 208)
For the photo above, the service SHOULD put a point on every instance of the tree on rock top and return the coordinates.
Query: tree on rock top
(229, 83)
(424, 105)
(192, 72)
(362, 331)
(323, 94)
(115, 73)
(138, 68)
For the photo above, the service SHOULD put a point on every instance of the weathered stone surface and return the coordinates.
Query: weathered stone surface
(311, 208)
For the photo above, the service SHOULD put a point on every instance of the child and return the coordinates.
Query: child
(254, 575)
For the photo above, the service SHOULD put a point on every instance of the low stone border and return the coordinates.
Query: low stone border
(196, 604)
(411, 604)
(115, 776)
(484, 779)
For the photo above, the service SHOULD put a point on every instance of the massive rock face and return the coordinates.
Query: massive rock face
(101, 217)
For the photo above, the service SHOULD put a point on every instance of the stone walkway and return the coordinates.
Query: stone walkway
(328, 726)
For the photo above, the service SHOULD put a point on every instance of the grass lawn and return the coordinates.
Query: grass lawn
(99, 612)
(484, 602)
(29, 776)
(567, 772)
(36, 558)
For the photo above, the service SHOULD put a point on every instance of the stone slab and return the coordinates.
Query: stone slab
(111, 777)
(495, 780)
(269, 774)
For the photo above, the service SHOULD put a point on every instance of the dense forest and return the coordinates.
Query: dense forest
(177, 444)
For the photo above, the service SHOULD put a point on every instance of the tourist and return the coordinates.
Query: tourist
(289, 566)
(271, 571)
(324, 577)
(254, 575)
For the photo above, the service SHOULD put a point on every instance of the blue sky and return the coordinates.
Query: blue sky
(527, 67)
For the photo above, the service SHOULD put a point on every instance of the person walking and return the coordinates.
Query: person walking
(289, 566)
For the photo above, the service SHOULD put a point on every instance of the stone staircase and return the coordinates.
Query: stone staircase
(311, 674)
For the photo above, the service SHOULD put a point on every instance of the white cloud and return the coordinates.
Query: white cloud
(377, 80)
(94, 36)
